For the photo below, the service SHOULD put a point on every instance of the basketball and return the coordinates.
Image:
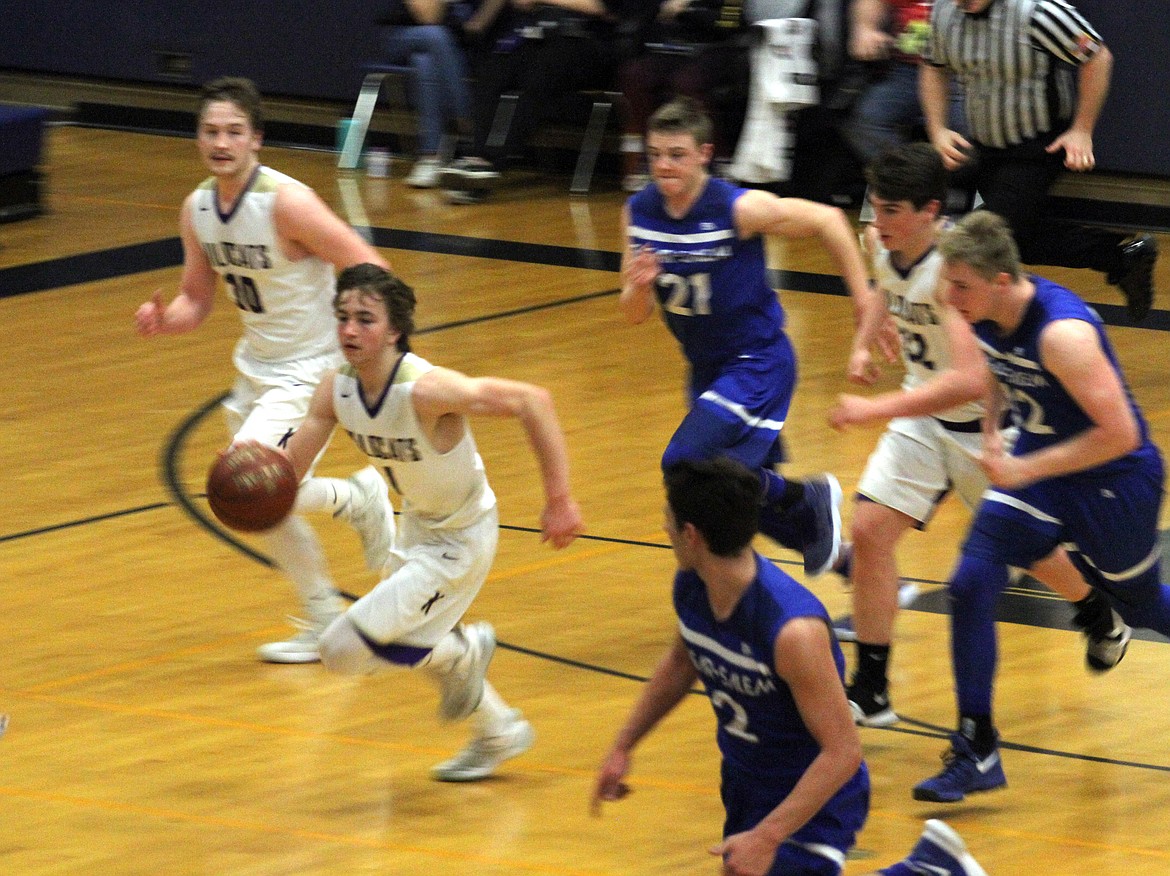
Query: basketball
(251, 487)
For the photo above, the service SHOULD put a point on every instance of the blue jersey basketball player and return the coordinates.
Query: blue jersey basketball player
(695, 248)
(794, 786)
(1082, 474)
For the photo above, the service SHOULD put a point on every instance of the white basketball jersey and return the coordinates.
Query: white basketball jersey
(444, 490)
(287, 306)
(910, 296)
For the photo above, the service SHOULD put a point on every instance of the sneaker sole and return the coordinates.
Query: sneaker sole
(288, 658)
(885, 718)
(470, 182)
(947, 838)
(934, 797)
(522, 744)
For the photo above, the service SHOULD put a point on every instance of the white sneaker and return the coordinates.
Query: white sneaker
(301, 648)
(424, 174)
(372, 515)
(481, 757)
(461, 689)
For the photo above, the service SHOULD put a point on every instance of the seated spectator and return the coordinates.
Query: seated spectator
(547, 50)
(429, 37)
(694, 48)
(888, 37)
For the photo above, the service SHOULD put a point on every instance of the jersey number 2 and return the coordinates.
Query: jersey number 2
(245, 293)
(738, 724)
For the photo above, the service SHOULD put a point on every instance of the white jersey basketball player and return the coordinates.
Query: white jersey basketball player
(923, 455)
(275, 244)
(410, 418)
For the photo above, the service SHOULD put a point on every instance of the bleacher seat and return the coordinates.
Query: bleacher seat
(21, 138)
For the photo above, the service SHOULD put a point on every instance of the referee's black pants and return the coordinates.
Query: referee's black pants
(1014, 183)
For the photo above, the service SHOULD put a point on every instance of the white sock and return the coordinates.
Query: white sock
(331, 495)
(445, 654)
(493, 715)
(298, 554)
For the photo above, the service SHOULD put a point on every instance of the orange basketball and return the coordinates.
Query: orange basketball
(251, 487)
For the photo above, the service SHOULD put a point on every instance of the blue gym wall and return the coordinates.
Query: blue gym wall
(315, 50)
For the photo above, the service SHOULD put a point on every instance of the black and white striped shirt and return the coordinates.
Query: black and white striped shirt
(1015, 60)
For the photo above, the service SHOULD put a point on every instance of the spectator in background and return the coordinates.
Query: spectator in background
(822, 163)
(693, 48)
(1016, 59)
(888, 38)
(547, 50)
(428, 36)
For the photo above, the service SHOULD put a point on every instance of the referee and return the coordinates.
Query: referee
(1036, 76)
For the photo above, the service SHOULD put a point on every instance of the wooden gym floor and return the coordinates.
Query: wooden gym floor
(144, 736)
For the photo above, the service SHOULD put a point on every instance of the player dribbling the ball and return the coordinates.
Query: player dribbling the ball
(410, 418)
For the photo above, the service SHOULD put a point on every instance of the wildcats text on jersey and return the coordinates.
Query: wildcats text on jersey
(223, 254)
(913, 312)
(397, 449)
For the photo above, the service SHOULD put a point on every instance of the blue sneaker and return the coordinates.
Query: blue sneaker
(940, 852)
(964, 773)
(822, 496)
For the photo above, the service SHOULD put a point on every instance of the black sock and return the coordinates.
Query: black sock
(872, 661)
(980, 732)
(1094, 614)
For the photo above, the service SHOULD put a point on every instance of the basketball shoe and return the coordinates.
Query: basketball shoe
(822, 496)
(869, 707)
(940, 851)
(964, 772)
(484, 753)
(461, 689)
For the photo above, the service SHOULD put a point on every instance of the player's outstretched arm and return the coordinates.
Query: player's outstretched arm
(758, 212)
(968, 379)
(442, 391)
(313, 433)
(672, 678)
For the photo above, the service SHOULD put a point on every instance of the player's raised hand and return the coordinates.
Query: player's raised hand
(148, 318)
(642, 267)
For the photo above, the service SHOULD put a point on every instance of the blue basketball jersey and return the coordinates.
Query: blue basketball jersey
(761, 733)
(1041, 407)
(713, 287)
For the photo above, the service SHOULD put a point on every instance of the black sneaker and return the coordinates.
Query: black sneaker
(870, 708)
(1136, 275)
(469, 174)
(1102, 653)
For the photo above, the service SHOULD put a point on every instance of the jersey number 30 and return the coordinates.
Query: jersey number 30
(245, 293)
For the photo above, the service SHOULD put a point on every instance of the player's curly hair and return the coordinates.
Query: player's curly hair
(238, 90)
(395, 294)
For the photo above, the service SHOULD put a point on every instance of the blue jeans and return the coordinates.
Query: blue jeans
(889, 106)
(438, 79)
